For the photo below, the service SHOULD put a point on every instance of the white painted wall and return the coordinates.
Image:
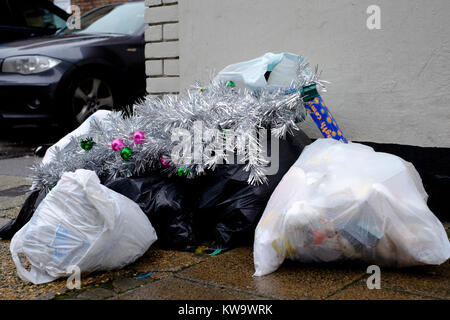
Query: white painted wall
(389, 85)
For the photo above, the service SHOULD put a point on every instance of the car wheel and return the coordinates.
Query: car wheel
(89, 94)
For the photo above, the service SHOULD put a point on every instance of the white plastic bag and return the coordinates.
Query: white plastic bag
(250, 74)
(346, 201)
(81, 130)
(81, 223)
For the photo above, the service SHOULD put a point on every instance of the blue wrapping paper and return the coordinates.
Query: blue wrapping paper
(323, 119)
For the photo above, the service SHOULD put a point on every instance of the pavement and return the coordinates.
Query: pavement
(167, 275)
(175, 275)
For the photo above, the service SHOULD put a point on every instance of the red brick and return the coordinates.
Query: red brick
(87, 5)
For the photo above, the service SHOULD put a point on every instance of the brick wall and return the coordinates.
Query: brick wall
(161, 50)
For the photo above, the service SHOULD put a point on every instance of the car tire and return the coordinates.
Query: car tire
(87, 93)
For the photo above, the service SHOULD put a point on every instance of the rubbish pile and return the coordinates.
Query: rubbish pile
(203, 165)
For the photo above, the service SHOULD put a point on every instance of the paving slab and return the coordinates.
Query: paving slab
(234, 269)
(3, 221)
(160, 263)
(430, 281)
(166, 260)
(13, 192)
(9, 181)
(126, 284)
(360, 291)
(96, 294)
(18, 166)
(7, 203)
(7, 214)
(179, 289)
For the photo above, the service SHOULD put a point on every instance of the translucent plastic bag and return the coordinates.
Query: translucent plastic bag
(251, 74)
(346, 201)
(81, 223)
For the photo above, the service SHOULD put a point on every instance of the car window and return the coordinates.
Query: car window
(36, 15)
(122, 19)
(5, 14)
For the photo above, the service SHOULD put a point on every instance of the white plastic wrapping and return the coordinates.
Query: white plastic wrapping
(81, 223)
(346, 201)
(79, 131)
(250, 74)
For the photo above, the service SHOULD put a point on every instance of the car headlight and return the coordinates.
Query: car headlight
(29, 64)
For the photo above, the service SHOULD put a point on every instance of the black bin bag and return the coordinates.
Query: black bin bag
(166, 202)
(228, 208)
(219, 207)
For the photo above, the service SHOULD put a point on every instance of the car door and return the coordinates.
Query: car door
(129, 50)
(134, 53)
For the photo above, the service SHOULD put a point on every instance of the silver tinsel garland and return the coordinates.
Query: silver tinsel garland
(217, 106)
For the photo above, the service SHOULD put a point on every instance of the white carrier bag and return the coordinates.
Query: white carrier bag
(346, 201)
(251, 74)
(81, 223)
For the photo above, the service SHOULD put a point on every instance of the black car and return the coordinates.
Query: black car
(21, 19)
(70, 75)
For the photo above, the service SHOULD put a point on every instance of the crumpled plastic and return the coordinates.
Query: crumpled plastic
(252, 73)
(346, 201)
(83, 224)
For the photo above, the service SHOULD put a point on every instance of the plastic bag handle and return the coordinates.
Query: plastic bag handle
(23, 273)
(35, 275)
